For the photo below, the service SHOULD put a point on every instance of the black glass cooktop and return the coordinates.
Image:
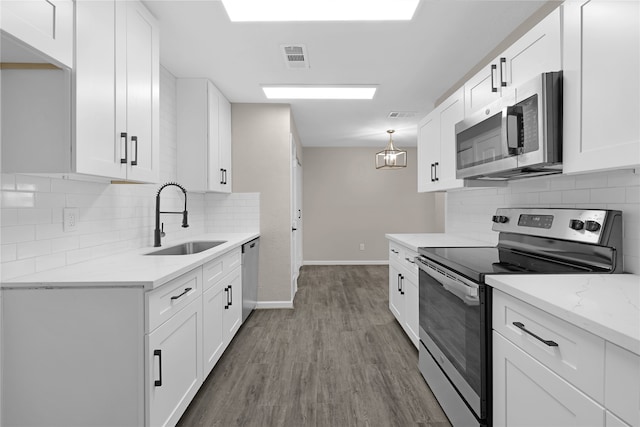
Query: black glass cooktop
(476, 262)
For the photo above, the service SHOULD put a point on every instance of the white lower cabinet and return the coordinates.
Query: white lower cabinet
(403, 289)
(526, 393)
(547, 371)
(174, 365)
(222, 306)
(116, 356)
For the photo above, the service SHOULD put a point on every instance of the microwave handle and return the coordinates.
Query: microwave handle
(512, 130)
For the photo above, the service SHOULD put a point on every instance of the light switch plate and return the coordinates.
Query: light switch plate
(71, 217)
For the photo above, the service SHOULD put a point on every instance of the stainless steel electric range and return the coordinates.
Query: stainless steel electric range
(455, 303)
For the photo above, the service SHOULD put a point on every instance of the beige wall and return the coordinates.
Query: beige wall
(346, 201)
(261, 163)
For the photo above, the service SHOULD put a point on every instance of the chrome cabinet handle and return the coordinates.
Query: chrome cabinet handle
(520, 326)
(410, 260)
(226, 290)
(134, 139)
(435, 169)
(503, 72)
(494, 88)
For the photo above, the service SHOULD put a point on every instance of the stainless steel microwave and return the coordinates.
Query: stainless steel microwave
(517, 136)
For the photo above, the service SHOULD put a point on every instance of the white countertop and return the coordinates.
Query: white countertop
(605, 305)
(434, 240)
(132, 268)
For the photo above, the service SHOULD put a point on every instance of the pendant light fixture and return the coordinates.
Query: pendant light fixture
(391, 157)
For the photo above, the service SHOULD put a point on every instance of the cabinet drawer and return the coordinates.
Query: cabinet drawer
(168, 299)
(621, 386)
(216, 269)
(578, 356)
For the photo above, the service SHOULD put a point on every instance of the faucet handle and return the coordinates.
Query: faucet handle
(162, 233)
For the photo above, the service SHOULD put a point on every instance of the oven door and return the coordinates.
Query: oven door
(453, 328)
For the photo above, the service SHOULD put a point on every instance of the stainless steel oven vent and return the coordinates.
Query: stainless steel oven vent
(295, 56)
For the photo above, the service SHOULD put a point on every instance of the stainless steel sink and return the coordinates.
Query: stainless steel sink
(188, 248)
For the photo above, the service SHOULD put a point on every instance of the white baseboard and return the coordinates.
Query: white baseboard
(274, 304)
(358, 262)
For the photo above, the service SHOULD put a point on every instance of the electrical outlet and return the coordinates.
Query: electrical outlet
(362, 246)
(71, 217)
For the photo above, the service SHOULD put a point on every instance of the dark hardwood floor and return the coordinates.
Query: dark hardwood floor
(338, 359)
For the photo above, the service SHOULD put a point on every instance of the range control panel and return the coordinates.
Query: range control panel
(581, 225)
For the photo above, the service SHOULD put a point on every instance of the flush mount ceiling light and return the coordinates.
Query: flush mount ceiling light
(391, 157)
(319, 92)
(320, 10)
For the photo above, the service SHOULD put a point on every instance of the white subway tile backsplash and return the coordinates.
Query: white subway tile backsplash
(47, 262)
(32, 183)
(576, 196)
(50, 200)
(8, 181)
(609, 195)
(34, 216)
(15, 199)
(18, 234)
(9, 217)
(33, 249)
(9, 252)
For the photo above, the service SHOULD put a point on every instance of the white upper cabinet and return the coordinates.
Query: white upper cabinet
(117, 91)
(538, 51)
(437, 146)
(204, 136)
(601, 57)
(99, 119)
(44, 25)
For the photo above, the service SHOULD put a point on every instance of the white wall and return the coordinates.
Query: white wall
(113, 218)
(469, 211)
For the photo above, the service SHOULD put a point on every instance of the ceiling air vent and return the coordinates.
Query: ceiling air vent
(295, 56)
(401, 114)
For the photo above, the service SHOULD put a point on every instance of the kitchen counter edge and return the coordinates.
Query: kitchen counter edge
(418, 240)
(132, 268)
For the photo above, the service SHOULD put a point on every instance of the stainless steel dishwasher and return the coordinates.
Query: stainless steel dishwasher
(250, 259)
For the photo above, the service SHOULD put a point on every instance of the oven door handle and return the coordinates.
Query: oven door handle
(462, 291)
(467, 293)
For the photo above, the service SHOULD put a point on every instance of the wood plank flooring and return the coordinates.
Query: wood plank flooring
(338, 359)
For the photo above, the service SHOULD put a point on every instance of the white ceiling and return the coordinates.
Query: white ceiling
(412, 62)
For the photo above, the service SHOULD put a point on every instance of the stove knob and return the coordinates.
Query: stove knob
(592, 226)
(500, 219)
(576, 224)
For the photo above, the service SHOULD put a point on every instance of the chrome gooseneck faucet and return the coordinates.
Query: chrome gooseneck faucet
(158, 233)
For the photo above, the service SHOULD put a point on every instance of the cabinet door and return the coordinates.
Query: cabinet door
(428, 151)
(224, 139)
(537, 52)
(174, 365)
(482, 89)
(142, 94)
(213, 343)
(526, 393)
(98, 148)
(46, 25)
(233, 312)
(601, 59)
(193, 149)
(451, 112)
(395, 297)
(215, 173)
(411, 304)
